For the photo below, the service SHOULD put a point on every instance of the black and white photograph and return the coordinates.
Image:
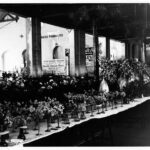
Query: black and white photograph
(74, 74)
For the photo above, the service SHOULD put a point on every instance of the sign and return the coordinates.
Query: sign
(67, 51)
(89, 52)
(52, 35)
(56, 66)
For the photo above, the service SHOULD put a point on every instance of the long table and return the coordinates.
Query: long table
(76, 132)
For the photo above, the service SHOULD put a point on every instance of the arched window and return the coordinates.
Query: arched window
(57, 52)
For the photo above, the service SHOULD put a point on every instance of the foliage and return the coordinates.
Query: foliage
(113, 70)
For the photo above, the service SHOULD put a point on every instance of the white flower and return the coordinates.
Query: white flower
(31, 109)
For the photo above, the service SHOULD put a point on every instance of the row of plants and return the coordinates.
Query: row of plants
(19, 87)
(59, 98)
(20, 114)
(15, 88)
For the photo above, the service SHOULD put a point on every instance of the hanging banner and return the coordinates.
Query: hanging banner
(56, 66)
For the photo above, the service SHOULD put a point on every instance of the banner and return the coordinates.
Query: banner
(56, 66)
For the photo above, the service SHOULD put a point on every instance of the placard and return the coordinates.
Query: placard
(89, 52)
(56, 66)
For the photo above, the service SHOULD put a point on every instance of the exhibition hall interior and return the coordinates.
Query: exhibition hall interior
(74, 74)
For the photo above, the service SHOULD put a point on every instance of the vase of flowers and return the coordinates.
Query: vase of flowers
(76, 113)
(83, 110)
(48, 119)
(38, 115)
(116, 98)
(60, 108)
(122, 96)
(57, 111)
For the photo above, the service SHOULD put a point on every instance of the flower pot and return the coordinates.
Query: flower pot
(1, 128)
(38, 129)
(76, 119)
(83, 115)
(58, 122)
(66, 119)
(4, 136)
(102, 109)
(48, 125)
(35, 125)
(92, 111)
(98, 109)
(88, 109)
(105, 106)
(21, 133)
(3, 142)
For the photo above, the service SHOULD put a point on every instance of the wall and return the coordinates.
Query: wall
(12, 43)
(117, 50)
(63, 37)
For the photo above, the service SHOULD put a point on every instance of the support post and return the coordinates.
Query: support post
(107, 48)
(80, 64)
(96, 47)
(36, 48)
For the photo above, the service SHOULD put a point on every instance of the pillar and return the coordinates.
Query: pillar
(147, 54)
(136, 51)
(127, 50)
(96, 54)
(29, 45)
(36, 48)
(107, 48)
(131, 51)
(142, 53)
(80, 64)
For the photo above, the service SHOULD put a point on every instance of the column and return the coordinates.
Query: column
(36, 48)
(127, 50)
(142, 53)
(80, 64)
(131, 50)
(136, 51)
(96, 48)
(29, 45)
(107, 48)
(145, 53)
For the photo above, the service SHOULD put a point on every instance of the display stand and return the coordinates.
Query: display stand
(3, 136)
(21, 132)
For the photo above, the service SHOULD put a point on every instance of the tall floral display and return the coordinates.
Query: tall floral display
(127, 75)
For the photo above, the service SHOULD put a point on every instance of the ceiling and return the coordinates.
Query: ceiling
(118, 21)
(5, 16)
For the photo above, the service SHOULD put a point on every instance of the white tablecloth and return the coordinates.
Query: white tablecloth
(110, 112)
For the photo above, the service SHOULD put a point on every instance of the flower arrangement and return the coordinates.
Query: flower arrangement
(108, 70)
(5, 118)
(124, 73)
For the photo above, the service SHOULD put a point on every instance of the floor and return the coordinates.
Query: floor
(128, 129)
